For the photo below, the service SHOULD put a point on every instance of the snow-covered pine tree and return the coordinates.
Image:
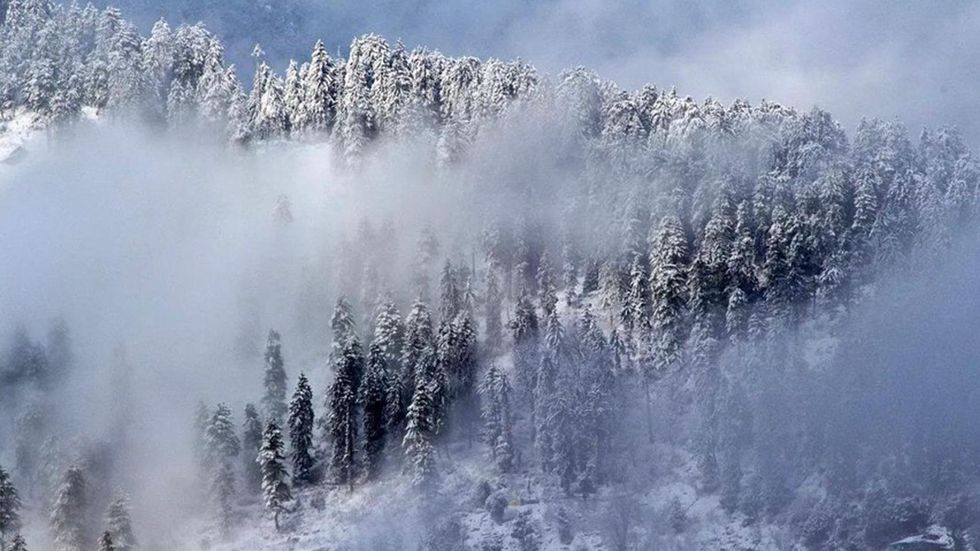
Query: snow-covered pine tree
(741, 274)
(422, 420)
(544, 390)
(524, 329)
(458, 355)
(611, 288)
(635, 316)
(251, 443)
(418, 339)
(342, 323)
(272, 461)
(669, 294)
(569, 274)
(495, 398)
(223, 447)
(9, 509)
(267, 107)
(374, 399)
(301, 422)
(69, 517)
(18, 543)
(222, 441)
(119, 525)
(424, 266)
(106, 543)
(547, 288)
(389, 336)
(342, 410)
(274, 399)
(526, 532)
(493, 326)
(450, 295)
(293, 95)
(320, 92)
(560, 422)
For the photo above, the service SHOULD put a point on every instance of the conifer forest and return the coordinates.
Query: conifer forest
(382, 298)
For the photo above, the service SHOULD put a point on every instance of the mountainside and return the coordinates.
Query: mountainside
(517, 311)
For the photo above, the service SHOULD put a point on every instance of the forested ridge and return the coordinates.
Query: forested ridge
(649, 287)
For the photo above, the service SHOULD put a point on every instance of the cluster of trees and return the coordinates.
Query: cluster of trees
(664, 274)
(70, 517)
(55, 60)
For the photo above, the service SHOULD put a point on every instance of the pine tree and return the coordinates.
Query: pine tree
(418, 339)
(18, 543)
(267, 106)
(342, 410)
(119, 525)
(251, 443)
(547, 289)
(374, 400)
(342, 322)
(271, 459)
(428, 251)
(223, 447)
(526, 354)
(422, 421)
(458, 355)
(526, 532)
(301, 432)
(293, 95)
(320, 87)
(389, 336)
(636, 304)
(495, 398)
(560, 396)
(222, 442)
(544, 390)
(106, 543)
(494, 329)
(274, 399)
(9, 508)
(450, 296)
(669, 293)
(69, 518)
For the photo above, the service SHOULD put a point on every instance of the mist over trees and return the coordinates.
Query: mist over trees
(622, 290)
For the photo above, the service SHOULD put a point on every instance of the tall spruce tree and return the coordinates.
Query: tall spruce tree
(69, 516)
(422, 421)
(320, 100)
(274, 399)
(389, 336)
(418, 338)
(374, 400)
(301, 419)
(251, 443)
(493, 326)
(223, 448)
(342, 410)
(119, 524)
(272, 460)
(106, 543)
(495, 395)
(10, 504)
(342, 322)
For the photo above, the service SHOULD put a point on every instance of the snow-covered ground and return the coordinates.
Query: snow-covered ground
(18, 131)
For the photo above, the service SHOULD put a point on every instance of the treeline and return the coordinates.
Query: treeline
(57, 60)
